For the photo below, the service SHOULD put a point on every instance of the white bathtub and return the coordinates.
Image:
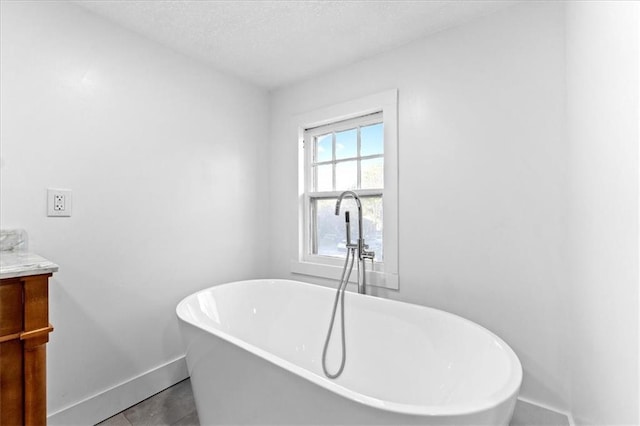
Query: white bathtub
(254, 353)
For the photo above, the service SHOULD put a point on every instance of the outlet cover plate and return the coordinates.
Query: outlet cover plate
(59, 202)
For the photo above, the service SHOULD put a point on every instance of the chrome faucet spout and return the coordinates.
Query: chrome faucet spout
(353, 195)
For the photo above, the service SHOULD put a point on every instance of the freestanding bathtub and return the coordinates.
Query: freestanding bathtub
(254, 353)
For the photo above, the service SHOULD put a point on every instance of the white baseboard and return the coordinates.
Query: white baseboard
(110, 402)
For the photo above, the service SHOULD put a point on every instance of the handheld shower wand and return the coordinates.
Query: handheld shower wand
(347, 223)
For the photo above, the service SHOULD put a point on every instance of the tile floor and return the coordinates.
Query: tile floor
(175, 407)
(171, 407)
(527, 414)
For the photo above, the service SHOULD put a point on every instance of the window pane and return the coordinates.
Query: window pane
(330, 230)
(346, 175)
(324, 178)
(372, 173)
(347, 143)
(372, 225)
(324, 148)
(372, 140)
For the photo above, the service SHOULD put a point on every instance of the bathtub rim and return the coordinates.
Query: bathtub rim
(509, 391)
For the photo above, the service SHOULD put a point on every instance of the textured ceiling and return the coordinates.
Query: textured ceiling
(274, 43)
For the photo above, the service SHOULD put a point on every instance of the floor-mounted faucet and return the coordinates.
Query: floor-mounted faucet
(360, 246)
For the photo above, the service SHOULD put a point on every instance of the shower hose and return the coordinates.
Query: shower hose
(339, 296)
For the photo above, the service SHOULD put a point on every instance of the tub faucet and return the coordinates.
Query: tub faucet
(360, 246)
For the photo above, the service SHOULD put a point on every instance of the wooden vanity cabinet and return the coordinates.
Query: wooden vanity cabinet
(24, 333)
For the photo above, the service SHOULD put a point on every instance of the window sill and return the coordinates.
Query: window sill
(374, 278)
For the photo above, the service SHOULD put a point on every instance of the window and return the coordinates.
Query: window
(347, 155)
(351, 146)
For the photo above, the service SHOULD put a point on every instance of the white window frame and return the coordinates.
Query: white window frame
(385, 274)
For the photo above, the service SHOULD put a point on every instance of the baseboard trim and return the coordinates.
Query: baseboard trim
(110, 402)
(567, 414)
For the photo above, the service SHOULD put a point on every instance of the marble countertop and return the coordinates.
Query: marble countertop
(22, 264)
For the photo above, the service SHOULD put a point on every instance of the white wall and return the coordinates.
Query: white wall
(483, 183)
(163, 157)
(603, 119)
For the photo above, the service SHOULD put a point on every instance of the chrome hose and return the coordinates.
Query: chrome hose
(339, 296)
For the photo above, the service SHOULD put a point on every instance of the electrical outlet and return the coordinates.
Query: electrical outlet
(59, 202)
